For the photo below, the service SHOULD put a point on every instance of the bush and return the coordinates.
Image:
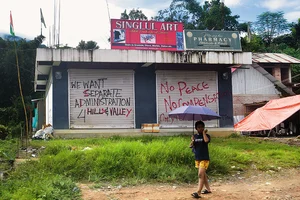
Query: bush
(234, 135)
(16, 130)
(4, 132)
(8, 115)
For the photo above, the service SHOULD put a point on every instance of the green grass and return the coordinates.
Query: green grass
(8, 151)
(135, 160)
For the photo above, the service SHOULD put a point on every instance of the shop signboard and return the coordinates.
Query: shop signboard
(203, 40)
(146, 35)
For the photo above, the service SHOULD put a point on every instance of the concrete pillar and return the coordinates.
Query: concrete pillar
(276, 72)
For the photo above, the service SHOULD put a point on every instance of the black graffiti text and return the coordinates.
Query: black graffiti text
(102, 102)
(92, 84)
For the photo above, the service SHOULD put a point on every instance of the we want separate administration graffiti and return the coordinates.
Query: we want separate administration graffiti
(96, 99)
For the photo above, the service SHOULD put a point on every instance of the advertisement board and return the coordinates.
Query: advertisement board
(146, 35)
(204, 40)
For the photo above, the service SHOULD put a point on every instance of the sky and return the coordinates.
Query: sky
(90, 19)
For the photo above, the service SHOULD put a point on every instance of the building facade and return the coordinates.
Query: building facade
(113, 89)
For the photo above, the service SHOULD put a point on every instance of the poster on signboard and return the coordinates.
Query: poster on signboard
(146, 35)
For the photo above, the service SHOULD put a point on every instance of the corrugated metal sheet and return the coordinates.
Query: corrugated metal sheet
(251, 81)
(274, 58)
(101, 98)
(179, 88)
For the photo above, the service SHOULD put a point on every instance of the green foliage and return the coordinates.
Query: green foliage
(255, 44)
(296, 33)
(134, 14)
(234, 135)
(121, 159)
(8, 149)
(8, 115)
(150, 158)
(11, 108)
(217, 16)
(213, 15)
(4, 132)
(87, 45)
(243, 27)
(28, 183)
(269, 25)
(286, 39)
(134, 160)
(17, 130)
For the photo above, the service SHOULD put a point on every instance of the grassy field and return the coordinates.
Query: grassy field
(135, 160)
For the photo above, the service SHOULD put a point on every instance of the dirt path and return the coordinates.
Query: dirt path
(283, 185)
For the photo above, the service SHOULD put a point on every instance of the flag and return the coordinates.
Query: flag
(42, 18)
(12, 32)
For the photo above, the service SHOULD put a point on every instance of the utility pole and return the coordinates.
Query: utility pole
(223, 17)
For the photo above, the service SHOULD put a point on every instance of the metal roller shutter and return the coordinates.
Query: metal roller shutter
(179, 88)
(101, 98)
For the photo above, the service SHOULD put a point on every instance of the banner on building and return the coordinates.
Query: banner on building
(146, 35)
(212, 40)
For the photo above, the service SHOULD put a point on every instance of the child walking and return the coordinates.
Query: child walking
(200, 142)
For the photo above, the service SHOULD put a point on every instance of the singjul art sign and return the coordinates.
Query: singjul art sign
(146, 35)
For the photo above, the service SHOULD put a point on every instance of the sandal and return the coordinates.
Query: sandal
(205, 192)
(196, 195)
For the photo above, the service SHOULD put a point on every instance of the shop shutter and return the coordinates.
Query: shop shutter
(101, 98)
(177, 88)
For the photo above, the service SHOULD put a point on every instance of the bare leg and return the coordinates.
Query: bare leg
(206, 183)
(201, 175)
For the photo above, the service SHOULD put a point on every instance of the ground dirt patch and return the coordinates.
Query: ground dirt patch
(293, 141)
(282, 185)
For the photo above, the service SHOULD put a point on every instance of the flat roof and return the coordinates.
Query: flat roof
(46, 58)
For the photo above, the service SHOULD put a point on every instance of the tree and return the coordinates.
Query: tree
(269, 25)
(255, 44)
(217, 16)
(186, 12)
(124, 15)
(11, 106)
(134, 14)
(296, 33)
(87, 45)
(286, 39)
(213, 15)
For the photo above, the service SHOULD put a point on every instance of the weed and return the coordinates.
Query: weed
(134, 160)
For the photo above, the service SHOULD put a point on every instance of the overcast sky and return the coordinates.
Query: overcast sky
(89, 19)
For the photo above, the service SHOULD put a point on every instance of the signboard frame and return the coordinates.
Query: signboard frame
(211, 40)
(146, 35)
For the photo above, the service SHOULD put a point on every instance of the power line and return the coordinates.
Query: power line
(108, 11)
(108, 19)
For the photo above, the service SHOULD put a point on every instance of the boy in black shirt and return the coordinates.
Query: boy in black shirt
(200, 145)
